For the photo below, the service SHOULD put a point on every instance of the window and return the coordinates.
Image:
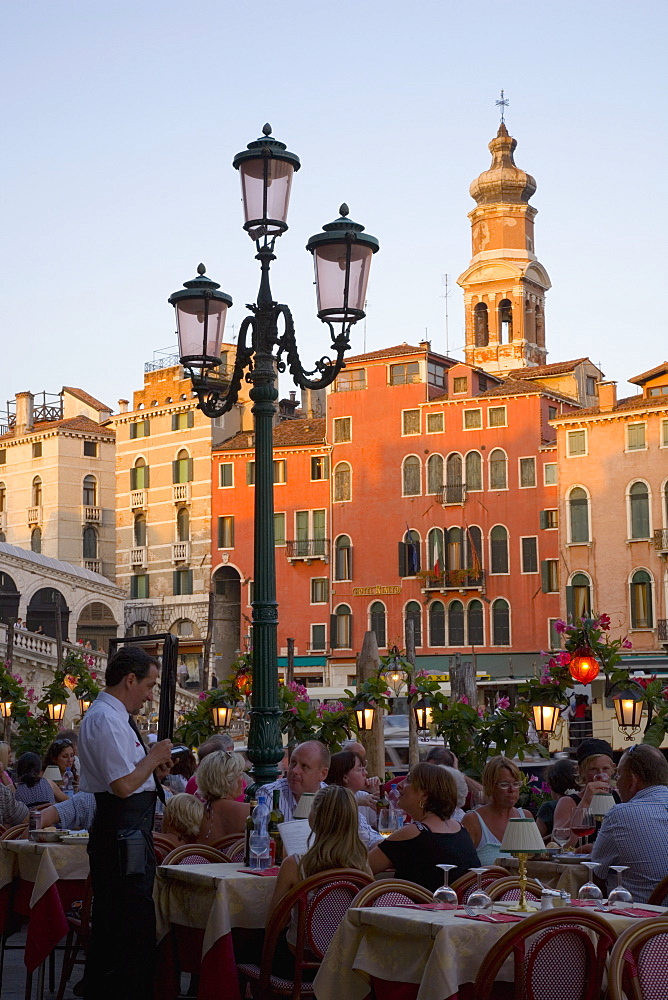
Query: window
(435, 423)
(436, 374)
(37, 492)
(481, 325)
(498, 470)
(499, 549)
(472, 419)
(37, 449)
(226, 532)
(343, 562)
(226, 474)
(405, 374)
(310, 532)
(183, 525)
(3, 455)
(140, 429)
(505, 323)
(90, 492)
(454, 550)
(454, 487)
(181, 421)
(527, 472)
(641, 600)
(664, 436)
(639, 510)
(182, 468)
(473, 471)
(434, 474)
(496, 416)
(455, 623)
(36, 540)
(250, 473)
(89, 542)
(378, 623)
(342, 482)
(476, 630)
(182, 582)
(139, 475)
(578, 597)
(279, 529)
(435, 551)
(554, 637)
(90, 449)
(341, 628)
(349, 380)
(411, 476)
(280, 471)
(342, 430)
(413, 613)
(409, 554)
(549, 519)
(460, 384)
(576, 443)
(139, 586)
(635, 437)
(578, 509)
(549, 576)
(319, 590)
(436, 624)
(658, 390)
(319, 467)
(410, 422)
(318, 637)
(550, 474)
(474, 550)
(3, 498)
(140, 530)
(529, 554)
(500, 623)
(551, 413)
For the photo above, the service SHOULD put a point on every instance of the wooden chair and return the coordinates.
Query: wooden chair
(321, 902)
(231, 844)
(162, 846)
(465, 885)
(638, 967)
(19, 832)
(392, 892)
(509, 888)
(78, 936)
(195, 854)
(659, 895)
(564, 961)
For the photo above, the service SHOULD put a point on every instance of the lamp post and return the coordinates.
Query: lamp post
(267, 345)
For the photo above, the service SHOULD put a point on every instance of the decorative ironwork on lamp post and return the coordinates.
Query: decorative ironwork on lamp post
(266, 346)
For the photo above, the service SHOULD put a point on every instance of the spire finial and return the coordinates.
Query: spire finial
(502, 103)
(266, 129)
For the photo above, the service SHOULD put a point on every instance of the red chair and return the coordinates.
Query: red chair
(564, 961)
(77, 939)
(465, 885)
(392, 892)
(162, 847)
(233, 846)
(321, 902)
(638, 966)
(195, 854)
(19, 832)
(659, 895)
(509, 888)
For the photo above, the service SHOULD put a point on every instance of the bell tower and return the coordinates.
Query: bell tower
(504, 285)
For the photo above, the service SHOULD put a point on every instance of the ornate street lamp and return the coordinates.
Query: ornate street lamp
(628, 709)
(84, 705)
(267, 345)
(423, 712)
(222, 715)
(364, 713)
(56, 711)
(6, 708)
(545, 718)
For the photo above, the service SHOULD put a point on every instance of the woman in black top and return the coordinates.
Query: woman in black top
(429, 795)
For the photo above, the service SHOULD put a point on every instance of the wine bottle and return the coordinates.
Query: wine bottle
(249, 830)
(276, 842)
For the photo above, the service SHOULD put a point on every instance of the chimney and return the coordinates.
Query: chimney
(425, 345)
(293, 396)
(123, 405)
(607, 396)
(25, 405)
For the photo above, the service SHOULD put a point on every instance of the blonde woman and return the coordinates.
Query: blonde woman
(5, 757)
(182, 819)
(501, 782)
(219, 783)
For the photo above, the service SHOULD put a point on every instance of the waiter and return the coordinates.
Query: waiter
(125, 780)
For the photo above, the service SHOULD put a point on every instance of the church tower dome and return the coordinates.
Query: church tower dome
(503, 182)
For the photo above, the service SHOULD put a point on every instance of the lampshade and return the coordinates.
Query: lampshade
(522, 836)
(628, 709)
(423, 713)
(266, 168)
(303, 807)
(52, 773)
(584, 666)
(6, 708)
(222, 715)
(364, 713)
(342, 256)
(200, 320)
(601, 804)
(56, 711)
(545, 718)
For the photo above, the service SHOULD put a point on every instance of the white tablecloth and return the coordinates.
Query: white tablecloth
(41, 864)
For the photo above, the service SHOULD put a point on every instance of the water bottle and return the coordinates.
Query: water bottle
(67, 784)
(260, 817)
(393, 796)
(393, 799)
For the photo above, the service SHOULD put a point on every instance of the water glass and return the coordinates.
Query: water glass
(259, 847)
(387, 822)
(478, 902)
(445, 895)
(590, 891)
(619, 896)
(561, 835)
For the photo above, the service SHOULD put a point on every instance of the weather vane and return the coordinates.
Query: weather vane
(503, 104)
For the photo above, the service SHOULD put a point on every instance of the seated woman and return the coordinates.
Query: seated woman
(182, 819)
(561, 777)
(429, 795)
(219, 783)
(501, 782)
(61, 753)
(31, 788)
(462, 791)
(596, 768)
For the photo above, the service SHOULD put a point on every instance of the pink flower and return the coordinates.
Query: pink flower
(545, 788)
(545, 679)
(293, 710)
(464, 700)
(412, 689)
(503, 702)
(481, 712)
(604, 622)
(627, 644)
(533, 778)
(560, 626)
(202, 696)
(563, 659)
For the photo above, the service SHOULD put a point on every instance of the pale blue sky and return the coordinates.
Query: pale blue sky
(120, 121)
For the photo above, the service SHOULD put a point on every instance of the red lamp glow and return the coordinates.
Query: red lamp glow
(584, 666)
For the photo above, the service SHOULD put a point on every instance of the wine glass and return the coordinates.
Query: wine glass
(619, 896)
(258, 843)
(387, 822)
(478, 902)
(561, 835)
(445, 895)
(590, 891)
(583, 823)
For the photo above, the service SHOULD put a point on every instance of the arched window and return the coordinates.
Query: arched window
(342, 482)
(639, 510)
(665, 503)
(140, 530)
(90, 491)
(434, 474)
(578, 510)
(409, 554)
(36, 494)
(342, 637)
(641, 600)
(500, 622)
(474, 550)
(454, 549)
(183, 525)
(414, 613)
(578, 596)
(499, 549)
(436, 624)
(378, 623)
(36, 540)
(481, 324)
(89, 542)
(182, 468)
(454, 491)
(505, 321)
(435, 550)
(475, 623)
(343, 562)
(411, 476)
(540, 326)
(498, 470)
(455, 623)
(473, 471)
(139, 475)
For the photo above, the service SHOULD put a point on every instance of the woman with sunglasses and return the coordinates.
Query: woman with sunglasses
(501, 782)
(62, 754)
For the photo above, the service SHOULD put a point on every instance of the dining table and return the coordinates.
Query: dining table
(197, 907)
(560, 872)
(416, 953)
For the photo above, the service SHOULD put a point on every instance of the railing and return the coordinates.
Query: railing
(91, 515)
(4, 428)
(453, 493)
(169, 361)
(307, 548)
(181, 492)
(139, 556)
(662, 629)
(138, 499)
(454, 579)
(661, 539)
(34, 515)
(44, 647)
(94, 565)
(180, 551)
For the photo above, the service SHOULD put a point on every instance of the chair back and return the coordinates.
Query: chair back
(509, 888)
(659, 895)
(162, 846)
(392, 892)
(638, 966)
(558, 955)
(19, 832)
(465, 885)
(232, 846)
(195, 854)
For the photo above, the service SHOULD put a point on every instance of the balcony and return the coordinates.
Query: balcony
(139, 556)
(34, 515)
(180, 552)
(452, 494)
(661, 540)
(307, 549)
(91, 515)
(453, 579)
(94, 565)
(662, 629)
(181, 492)
(138, 500)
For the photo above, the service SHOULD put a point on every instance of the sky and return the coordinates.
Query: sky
(120, 121)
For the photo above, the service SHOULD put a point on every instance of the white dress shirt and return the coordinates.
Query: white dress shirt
(108, 747)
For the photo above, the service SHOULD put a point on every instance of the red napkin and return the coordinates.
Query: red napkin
(427, 906)
(635, 912)
(494, 918)
(584, 902)
(261, 871)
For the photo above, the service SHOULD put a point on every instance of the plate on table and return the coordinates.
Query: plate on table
(74, 837)
(574, 859)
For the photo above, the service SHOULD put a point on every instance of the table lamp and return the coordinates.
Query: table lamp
(303, 807)
(522, 838)
(601, 804)
(52, 773)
